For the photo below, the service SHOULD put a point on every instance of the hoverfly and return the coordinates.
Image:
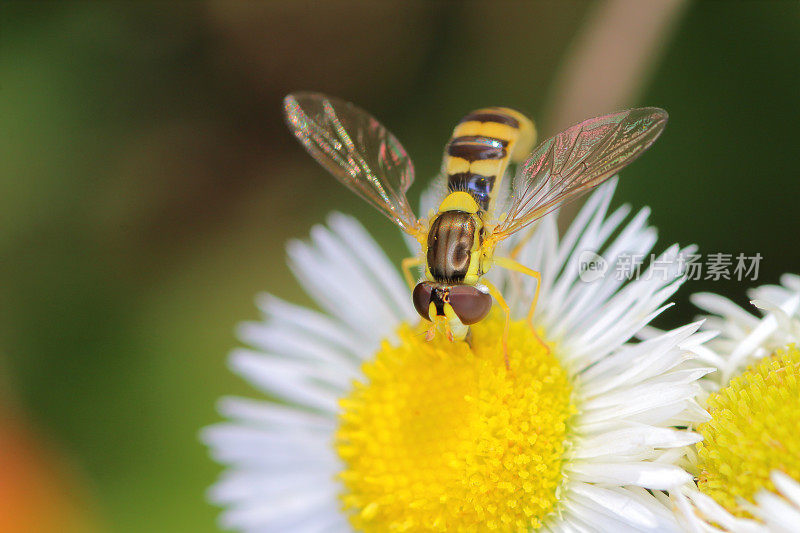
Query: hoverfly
(458, 241)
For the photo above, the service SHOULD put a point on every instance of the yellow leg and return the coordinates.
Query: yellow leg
(510, 264)
(495, 292)
(407, 264)
(515, 251)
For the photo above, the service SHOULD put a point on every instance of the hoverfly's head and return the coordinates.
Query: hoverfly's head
(457, 304)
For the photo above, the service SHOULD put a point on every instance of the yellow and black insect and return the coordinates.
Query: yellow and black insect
(458, 241)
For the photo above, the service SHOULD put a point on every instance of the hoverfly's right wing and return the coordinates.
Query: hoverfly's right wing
(577, 160)
(354, 147)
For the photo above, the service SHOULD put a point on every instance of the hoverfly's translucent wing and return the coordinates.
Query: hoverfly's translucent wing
(357, 150)
(577, 160)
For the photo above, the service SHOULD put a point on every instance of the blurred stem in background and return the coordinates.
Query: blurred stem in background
(608, 64)
(611, 59)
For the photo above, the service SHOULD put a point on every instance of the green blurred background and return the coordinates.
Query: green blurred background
(149, 186)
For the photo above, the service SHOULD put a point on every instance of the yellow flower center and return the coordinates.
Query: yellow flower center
(753, 431)
(443, 437)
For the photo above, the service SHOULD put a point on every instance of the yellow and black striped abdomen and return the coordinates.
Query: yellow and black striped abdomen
(481, 147)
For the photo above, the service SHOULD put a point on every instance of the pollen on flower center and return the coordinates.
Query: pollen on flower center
(753, 431)
(442, 437)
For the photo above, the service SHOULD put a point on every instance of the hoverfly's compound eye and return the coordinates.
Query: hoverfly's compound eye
(470, 303)
(423, 294)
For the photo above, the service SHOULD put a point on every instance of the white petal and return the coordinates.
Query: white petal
(669, 383)
(719, 305)
(716, 513)
(341, 272)
(304, 322)
(272, 415)
(791, 282)
(584, 301)
(634, 440)
(247, 440)
(682, 413)
(306, 511)
(657, 396)
(648, 475)
(254, 485)
(686, 515)
(778, 516)
(292, 345)
(376, 262)
(261, 455)
(626, 508)
(292, 381)
(636, 362)
(595, 518)
(787, 486)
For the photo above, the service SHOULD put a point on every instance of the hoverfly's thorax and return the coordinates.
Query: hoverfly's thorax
(459, 201)
(454, 241)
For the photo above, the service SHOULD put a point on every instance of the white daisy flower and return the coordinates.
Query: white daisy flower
(371, 427)
(748, 466)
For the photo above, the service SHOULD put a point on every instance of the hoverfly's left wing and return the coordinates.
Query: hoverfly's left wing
(354, 147)
(577, 160)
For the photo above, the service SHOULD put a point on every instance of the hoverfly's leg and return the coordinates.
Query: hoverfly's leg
(430, 333)
(440, 323)
(495, 292)
(407, 264)
(516, 250)
(510, 264)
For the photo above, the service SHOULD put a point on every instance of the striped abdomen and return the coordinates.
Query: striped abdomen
(481, 147)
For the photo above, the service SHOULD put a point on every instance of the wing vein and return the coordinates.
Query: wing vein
(577, 160)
